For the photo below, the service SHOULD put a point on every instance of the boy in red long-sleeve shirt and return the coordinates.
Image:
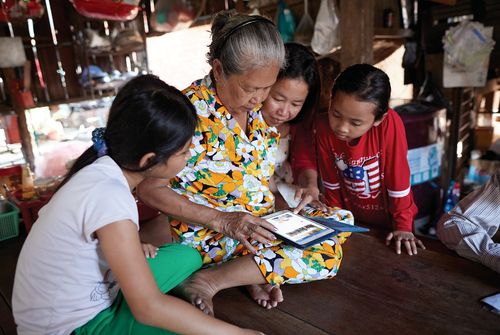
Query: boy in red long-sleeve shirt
(361, 154)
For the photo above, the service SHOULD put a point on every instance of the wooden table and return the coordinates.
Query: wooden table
(378, 292)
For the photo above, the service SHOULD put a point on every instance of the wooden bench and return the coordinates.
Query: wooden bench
(378, 292)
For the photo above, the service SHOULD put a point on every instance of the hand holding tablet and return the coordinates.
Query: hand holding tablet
(297, 230)
(303, 232)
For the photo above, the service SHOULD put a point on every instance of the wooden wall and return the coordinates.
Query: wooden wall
(58, 81)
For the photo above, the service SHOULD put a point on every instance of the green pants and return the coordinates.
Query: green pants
(171, 266)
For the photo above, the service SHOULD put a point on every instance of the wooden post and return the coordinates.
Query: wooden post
(240, 6)
(27, 148)
(356, 31)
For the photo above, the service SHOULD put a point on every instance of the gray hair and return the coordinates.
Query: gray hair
(241, 47)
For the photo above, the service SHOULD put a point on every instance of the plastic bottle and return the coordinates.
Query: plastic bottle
(286, 22)
(28, 185)
(455, 193)
(452, 196)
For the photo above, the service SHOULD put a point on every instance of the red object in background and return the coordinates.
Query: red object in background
(20, 93)
(24, 99)
(10, 177)
(118, 10)
(12, 129)
(11, 170)
(29, 208)
(10, 180)
(20, 10)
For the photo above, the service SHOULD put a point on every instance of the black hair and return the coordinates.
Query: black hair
(301, 64)
(147, 115)
(366, 83)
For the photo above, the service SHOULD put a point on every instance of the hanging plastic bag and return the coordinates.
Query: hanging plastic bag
(327, 29)
(127, 40)
(286, 22)
(305, 29)
(171, 15)
(466, 45)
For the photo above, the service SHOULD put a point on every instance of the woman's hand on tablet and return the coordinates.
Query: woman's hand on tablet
(244, 227)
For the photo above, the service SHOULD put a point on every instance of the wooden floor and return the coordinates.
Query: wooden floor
(379, 292)
(375, 292)
(9, 251)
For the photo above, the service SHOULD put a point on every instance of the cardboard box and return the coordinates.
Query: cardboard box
(483, 136)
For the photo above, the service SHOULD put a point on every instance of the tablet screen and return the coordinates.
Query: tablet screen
(295, 227)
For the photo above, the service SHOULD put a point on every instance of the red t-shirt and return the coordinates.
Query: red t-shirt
(371, 178)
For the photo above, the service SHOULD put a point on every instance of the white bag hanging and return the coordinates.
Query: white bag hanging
(305, 29)
(327, 29)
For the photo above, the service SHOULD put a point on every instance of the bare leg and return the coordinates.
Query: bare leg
(201, 287)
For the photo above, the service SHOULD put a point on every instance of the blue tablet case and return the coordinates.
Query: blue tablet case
(337, 225)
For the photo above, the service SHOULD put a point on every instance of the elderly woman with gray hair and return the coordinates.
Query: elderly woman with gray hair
(216, 201)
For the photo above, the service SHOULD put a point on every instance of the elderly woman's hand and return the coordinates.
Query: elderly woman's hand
(245, 228)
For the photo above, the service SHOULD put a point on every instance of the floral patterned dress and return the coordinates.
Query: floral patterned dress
(229, 170)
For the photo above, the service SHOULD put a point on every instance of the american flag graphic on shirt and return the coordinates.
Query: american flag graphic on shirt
(361, 177)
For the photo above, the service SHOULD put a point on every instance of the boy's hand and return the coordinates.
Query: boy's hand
(409, 240)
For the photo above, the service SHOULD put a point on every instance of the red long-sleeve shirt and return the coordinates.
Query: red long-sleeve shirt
(371, 178)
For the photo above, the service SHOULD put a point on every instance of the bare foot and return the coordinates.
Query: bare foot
(198, 291)
(266, 295)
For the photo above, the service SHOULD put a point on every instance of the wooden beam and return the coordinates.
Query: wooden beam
(356, 31)
(27, 147)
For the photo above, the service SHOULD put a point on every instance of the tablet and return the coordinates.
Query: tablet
(298, 230)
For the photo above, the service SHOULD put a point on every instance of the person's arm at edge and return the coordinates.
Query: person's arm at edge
(467, 237)
(470, 240)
